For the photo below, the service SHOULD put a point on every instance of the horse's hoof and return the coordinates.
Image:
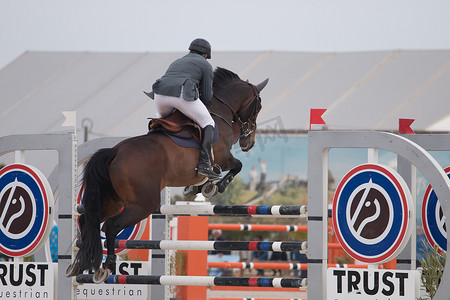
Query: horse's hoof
(101, 275)
(72, 270)
(190, 190)
(209, 190)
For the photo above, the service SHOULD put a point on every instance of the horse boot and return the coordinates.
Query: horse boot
(204, 162)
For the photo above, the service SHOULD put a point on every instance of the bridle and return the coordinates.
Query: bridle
(248, 126)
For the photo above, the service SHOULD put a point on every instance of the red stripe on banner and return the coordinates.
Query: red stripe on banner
(253, 281)
(122, 244)
(122, 279)
(252, 209)
(253, 246)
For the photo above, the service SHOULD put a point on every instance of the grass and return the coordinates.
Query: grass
(432, 268)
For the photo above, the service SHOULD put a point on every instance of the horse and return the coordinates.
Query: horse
(122, 185)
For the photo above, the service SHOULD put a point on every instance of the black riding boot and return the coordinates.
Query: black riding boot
(204, 161)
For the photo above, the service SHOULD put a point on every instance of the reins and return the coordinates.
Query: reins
(247, 127)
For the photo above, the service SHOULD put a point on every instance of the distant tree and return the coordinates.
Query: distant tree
(231, 195)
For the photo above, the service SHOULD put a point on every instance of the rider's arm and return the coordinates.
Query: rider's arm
(205, 89)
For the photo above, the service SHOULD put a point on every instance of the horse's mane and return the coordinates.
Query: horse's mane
(222, 77)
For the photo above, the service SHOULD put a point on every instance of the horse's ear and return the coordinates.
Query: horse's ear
(262, 85)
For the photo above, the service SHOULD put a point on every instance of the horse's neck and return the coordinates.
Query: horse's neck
(229, 131)
(218, 108)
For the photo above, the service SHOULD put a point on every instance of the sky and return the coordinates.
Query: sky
(229, 25)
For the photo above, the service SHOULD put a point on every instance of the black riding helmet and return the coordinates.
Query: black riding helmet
(201, 46)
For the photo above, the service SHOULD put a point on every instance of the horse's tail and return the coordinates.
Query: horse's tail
(97, 185)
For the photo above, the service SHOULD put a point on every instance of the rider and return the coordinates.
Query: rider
(187, 86)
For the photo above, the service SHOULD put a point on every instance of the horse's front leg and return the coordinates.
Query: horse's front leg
(235, 167)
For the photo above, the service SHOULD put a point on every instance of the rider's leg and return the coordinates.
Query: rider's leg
(198, 112)
(204, 162)
(164, 104)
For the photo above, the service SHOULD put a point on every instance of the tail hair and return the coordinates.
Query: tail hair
(97, 185)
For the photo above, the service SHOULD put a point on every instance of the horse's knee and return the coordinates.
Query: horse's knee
(239, 166)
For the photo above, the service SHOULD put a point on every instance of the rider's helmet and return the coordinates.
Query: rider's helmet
(201, 46)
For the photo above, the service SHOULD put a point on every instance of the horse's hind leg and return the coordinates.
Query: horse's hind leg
(130, 216)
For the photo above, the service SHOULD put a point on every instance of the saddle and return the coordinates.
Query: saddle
(178, 125)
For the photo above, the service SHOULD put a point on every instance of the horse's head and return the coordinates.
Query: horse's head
(243, 100)
(246, 117)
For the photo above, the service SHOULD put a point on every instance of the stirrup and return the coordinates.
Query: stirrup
(208, 172)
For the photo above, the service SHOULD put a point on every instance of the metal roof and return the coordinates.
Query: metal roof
(362, 91)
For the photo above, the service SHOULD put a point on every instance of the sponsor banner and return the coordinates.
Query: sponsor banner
(433, 219)
(349, 284)
(371, 213)
(27, 280)
(26, 210)
(119, 291)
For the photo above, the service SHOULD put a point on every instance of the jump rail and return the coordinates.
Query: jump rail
(256, 227)
(210, 245)
(233, 210)
(287, 211)
(277, 266)
(198, 280)
(256, 299)
(259, 227)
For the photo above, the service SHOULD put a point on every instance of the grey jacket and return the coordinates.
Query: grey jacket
(193, 73)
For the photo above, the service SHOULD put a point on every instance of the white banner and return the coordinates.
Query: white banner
(27, 280)
(352, 284)
(118, 291)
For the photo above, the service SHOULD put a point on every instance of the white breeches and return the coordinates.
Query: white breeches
(195, 110)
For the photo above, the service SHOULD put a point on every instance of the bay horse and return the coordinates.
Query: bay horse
(123, 183)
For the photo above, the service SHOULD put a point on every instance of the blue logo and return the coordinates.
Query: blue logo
(371, 213)
(25, 210)
(433, 219)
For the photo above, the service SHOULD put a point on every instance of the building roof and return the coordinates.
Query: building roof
(362, 91)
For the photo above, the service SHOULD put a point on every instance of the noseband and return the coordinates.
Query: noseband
(248, 126)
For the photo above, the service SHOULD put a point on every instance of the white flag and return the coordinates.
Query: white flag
(71, 118)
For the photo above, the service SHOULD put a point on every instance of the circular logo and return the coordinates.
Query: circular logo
(371, 213)
(26, 204)
(433, 219)
(130, 233)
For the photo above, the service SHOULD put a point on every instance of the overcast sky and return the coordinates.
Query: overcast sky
(164, 25)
